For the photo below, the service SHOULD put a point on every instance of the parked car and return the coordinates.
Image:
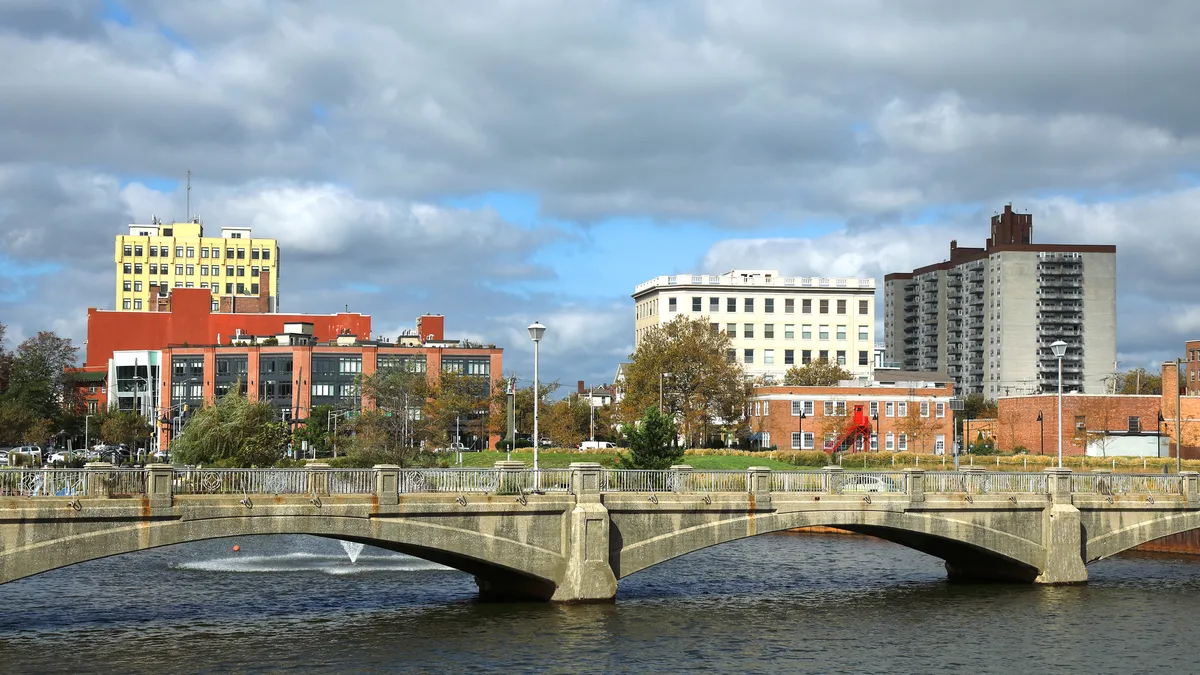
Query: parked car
(59, 457)
(596, 445)
(457, 447)
(4, 457)
(867, 483)
(32, 453)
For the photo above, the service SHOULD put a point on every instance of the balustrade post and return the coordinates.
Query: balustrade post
(682, 475)
(508, 477)
(915, 480)
(387, 484)
(1191, 483)
(159, 485)
(318, 478)
(1058, 484)
(758, 481)
(97, 479)
(832, 477)
(585, 481)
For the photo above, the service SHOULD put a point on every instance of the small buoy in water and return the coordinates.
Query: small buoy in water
(236, 547)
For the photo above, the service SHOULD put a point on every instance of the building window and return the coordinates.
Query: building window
(179, 270)
(191, 252)
(730, 304)
(127, 268)
(137, 250)
(178, 284)
(748, 355)
(126, 303)
(137, 303)
(874, 409)
(940, 409)
(768, 357)
(178, 251)
(253, 289)
(903, 445)
(806, 306)
(1135, 425)
(902, 409)
(204, 270)
(164, 251)
(216, 270)
(696, 304)
(749, 305)
(216, 306)
(889, 442)
(714, 328)
(889, 409)
(864, 359)
(714, 305)
(127, 286)
(241, 271)
(153, 268)
(863, 306)
(229, 271)
(241, 289)
(254, 254)
(841, 306)
(789, 357)
(841, 332)
(254, 273)
(863, 333)
(731, 356)
(203, 284)
(731, 330)
(216, 252)
(939, 444)
(822, 354)
(874, 442)
(137, 286)
(127, 249)
(769, 305)
(748, 330)
(789, 331)
(241, 254)
(229, 253)
(266, 254)
(806, 331)
(796, 438)
(769, 331)
(203, 251)
(228, 289)
(924, 408)
(188, 284)
(824, 306)
(806, 356)
(153, 251)
(191, 270)
(823, 332)
(841, 357)
(789, 306)
(671, 304)
(1080, 423)
(137, 268)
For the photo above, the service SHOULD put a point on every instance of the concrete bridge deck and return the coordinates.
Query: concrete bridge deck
(570, 534)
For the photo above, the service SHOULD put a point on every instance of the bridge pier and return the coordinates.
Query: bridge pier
(589, 576)
(1062, 534)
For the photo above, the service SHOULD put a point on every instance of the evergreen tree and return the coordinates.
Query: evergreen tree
(650, 443)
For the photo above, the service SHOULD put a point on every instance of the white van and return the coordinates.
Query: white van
(596, 445)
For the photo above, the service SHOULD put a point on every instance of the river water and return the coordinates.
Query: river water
(781, 603)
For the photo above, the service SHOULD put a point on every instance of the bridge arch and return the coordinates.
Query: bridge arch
(1111, 542)
(971, 551)
(525, 571)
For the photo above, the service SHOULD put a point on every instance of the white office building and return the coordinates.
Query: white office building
(773, 321)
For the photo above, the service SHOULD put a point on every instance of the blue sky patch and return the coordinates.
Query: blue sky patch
(114, 11)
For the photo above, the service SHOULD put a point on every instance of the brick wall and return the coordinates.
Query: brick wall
(1191, 357)
(1018, 426)
(1188, 423)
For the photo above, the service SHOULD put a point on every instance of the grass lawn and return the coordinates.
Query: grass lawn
(560, 460)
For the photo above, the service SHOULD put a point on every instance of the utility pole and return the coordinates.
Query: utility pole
(1178, 418)
(592, 414)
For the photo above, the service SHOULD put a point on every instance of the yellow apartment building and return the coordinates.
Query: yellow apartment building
(178, 255)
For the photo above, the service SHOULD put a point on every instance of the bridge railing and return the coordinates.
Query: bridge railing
(984, 482)
(351, 481)
(241, 481)
(43, 482)
(126, 482)
(1123, 484)
(799, 481)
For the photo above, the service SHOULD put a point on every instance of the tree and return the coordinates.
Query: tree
(819, 373)
(1139, 381)
(5, 362)
(650, 445)
(15, 420)
(124, 426)
(399, 396)
(38, 377)
(917, 427)
(498, 424)
(566, 422)
(975, 407)
(457, 404)
(232, 432)
(704, 389)
(832, 425)
(1100, 415)
(313, 436)
(38, 433)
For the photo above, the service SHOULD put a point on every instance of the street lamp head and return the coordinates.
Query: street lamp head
(536, 330)
(1059, 348)
(1039, 416)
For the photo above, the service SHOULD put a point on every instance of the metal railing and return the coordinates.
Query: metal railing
(798, 481)
(869, 481)
(982, 483)
(715, 481)
(351, 481)
(1123, 484)
(241, 481)
(638, 480)
(43, 482)
(448, 480)
(123, 482)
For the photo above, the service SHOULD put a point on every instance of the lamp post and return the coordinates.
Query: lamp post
(661, 376)
(875, 430)
(536, 331)
(1042, 432)
(800, 426)
(86, 447)
(1060, 350)
(1178, 418)
(1162, 419)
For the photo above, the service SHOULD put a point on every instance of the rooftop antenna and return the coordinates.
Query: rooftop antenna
(189, 195)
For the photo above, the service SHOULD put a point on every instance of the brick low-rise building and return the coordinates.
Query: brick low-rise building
(901, 411)
(1191, 350)
(1086, 417)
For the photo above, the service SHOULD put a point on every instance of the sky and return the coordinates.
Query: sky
(512, 161)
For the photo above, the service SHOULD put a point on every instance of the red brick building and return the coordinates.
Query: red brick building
(898, 411)
(1083, 415)
(1191, 350)
(189, 319)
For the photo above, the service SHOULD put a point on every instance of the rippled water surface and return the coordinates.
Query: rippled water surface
(772, 604)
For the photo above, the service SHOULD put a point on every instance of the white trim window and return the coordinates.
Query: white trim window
(889, 441)
(939, 444)
(796, 440)
(874, 442)
(924, 408)
(889, 409)
(903, 445)
(902, 409)
(808, 440)
(941, 409)
(874, 409)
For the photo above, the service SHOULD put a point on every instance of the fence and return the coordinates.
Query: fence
(241, 481)
(980, 483)
(43, 482)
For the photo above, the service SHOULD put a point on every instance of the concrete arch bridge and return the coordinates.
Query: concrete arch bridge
(569, 534)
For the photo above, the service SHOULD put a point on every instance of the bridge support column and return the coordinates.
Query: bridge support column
(158, 485)
(916, 485)
(97, 479)
(758, 484)
(387, 484)
(318, 478)
(682, 474)
(1190, 486)
(833, 479)
(1062, 534)
(588, 577)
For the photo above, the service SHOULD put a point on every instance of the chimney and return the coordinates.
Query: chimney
(580, 389)
(264, 290)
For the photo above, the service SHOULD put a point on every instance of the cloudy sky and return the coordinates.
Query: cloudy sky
(516, 160)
